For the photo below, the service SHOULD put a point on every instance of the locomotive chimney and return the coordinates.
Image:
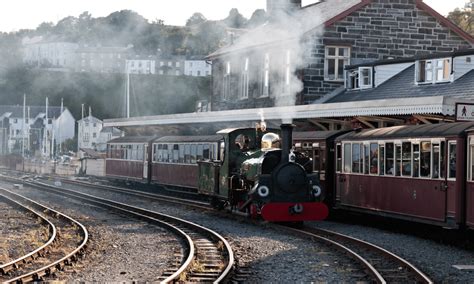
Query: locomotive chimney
(286, 141)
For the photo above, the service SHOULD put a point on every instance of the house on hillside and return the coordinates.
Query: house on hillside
(53, 54)
(319, 41)
(102, 59)
(197, 66)
(92, 135)
(40, 132)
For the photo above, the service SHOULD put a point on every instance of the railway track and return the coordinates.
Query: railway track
(379, 264)
(205, 257)
(66, 243)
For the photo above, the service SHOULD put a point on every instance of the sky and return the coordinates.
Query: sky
(28, 14)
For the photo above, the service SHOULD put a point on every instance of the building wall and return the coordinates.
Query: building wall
(86, 131)
(197, 68)
(52, 54)
(382, 29)
(170, 66)
(141, 66)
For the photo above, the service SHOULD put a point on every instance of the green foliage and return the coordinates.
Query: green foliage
(150, 94)
(464, 18)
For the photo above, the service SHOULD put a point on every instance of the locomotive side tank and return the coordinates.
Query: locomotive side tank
(261, 175)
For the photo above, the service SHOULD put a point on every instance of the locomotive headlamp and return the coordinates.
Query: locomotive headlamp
(263, 191)
(317, 191)
(298, 208)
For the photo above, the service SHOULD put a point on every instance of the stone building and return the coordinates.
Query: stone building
(300, 54)
(49, 53)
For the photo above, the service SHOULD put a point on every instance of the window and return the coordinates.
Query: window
(170, 64)
(244, 80)
(338, 158)
(398, 160)
(425, 159)
(227, 70)
(436, 161)
(347, 158)
(382, 159)
(366, 159)
(94, 135)
(335, 60)
(177, 64)
(199, 73)
(177, 73)
(357, 158)
(389, 156)
(374, 157)
(406, 159)
(266, 76)
(433, 71)
(416, 160)
(365, 77)
(452, 160)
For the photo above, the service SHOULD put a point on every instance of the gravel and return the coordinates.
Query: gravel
(434, 259)
(20, 232)
(120, 249)
(269, 254)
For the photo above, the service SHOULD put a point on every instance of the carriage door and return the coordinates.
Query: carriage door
(145, 162)
(449, 185)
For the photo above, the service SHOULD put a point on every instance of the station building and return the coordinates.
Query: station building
(336, 64)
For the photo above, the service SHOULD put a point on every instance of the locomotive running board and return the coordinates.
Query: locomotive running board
(282, 212)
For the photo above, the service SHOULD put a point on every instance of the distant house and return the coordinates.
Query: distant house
(55, 54)
(171, 65)
(197, 66)
(92, 135)
(102, 59)
(38, 131)
(299, 56)
(137, 64)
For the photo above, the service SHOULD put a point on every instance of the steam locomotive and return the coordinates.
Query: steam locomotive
(248, 170)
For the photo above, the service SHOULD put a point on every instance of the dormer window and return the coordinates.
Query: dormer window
(360, 78)
(433, 71)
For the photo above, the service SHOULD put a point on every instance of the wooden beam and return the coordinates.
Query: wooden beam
(318, 124)
(365, 122)
(383, 119)
(422, 119)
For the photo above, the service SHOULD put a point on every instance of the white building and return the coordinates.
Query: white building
(48, 53)
(37, 131)
(197, 68)
(140, 65)
(92, 135)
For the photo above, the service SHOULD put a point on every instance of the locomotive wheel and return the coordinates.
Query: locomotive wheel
(218, 204)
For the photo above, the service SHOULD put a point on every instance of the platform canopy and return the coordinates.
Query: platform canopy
(439, 105)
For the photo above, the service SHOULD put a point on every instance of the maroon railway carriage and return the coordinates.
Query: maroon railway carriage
(175, 158)
(127, 158)
(470, 179)
(409, 172)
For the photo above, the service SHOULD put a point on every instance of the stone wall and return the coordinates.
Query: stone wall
(383, 29)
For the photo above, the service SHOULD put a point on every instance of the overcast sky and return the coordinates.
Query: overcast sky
(21, 14)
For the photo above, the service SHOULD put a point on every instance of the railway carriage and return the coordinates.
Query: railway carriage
(409, 172)
(470, 179)
(174, 158)
(127, 158)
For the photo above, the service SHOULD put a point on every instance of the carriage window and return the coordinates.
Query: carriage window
(425, 159)
(416, 160)
(205, 152)
(193, 153)
(398, 160)
(389, 155)
(356, 158)
(141, 152)
(406, 159)
(366, 159)
(471, 162)
(338, 158)
(382, 160)
(442, 160)
(164, 158)
(347, 158)
(221, 151)
(129, 152)
(187, 154)
(200, 150)
(175, 153)
(435, 165)
(452, 160)
(181, 154)
(374, 158)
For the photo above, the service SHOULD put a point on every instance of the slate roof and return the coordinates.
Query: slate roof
(90, 119)
(403, 85)
(292, 28)
(17, 111)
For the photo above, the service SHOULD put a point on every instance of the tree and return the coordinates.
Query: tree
(464, 18)
(196, 19)
(258, 18)
(235, 19)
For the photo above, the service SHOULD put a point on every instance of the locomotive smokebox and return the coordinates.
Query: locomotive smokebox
(286, 141)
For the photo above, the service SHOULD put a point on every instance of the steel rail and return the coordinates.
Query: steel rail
(58, 264)
(147, 214)
(325, 236)
(5, 268)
